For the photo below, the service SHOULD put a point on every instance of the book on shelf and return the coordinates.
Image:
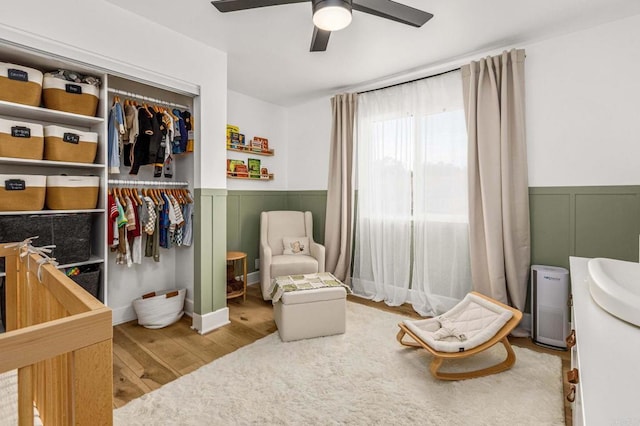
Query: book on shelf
(241, 170)
(231, 129)
(232, 164)
(260, 144)
(254, 167)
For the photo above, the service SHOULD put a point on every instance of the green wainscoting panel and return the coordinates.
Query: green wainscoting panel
(586, 221)
(210, 230)
(243, 216)
(551, 220)
(607, 225)
(316, 203)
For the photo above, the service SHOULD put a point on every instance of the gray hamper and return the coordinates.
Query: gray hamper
(90, 281)
(71, 233)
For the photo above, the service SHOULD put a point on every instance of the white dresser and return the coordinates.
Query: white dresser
(607, 357)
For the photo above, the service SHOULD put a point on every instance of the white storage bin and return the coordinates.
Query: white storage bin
(21, 139)
(65, 144)
(63, 95)
(20, 84)
(72, 192)
(22, 192)
(160, 309)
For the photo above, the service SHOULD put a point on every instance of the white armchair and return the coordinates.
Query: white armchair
(278, 228)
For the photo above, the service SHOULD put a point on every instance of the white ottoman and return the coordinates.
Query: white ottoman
(311, 313)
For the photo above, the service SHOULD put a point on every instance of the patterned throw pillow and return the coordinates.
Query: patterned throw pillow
(295, 245)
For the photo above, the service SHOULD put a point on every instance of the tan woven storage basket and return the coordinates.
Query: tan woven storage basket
(20, 139)
(20, 84)
(72, 192)
(63, 95)
(22, 192)
(64, 144)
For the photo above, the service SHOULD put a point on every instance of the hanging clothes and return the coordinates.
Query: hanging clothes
(141, 224)
(115, 131)
(130, 136)
(187, 228)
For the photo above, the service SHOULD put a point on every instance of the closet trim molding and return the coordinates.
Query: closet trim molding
(49, 48)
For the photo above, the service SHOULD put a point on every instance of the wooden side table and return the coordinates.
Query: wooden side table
(236, 288)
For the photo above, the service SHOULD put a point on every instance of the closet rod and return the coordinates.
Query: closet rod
(145, 182)
(146, 98)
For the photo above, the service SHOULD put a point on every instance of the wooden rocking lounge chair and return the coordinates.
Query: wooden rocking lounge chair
(472, 326)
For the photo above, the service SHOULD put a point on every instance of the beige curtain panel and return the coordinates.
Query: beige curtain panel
(494, 99)
(339, 215)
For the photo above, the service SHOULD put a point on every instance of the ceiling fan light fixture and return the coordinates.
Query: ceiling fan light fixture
(331, 15)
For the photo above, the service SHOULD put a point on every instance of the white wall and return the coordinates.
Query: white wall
(583, 119)
(258, 118)
(308, 138)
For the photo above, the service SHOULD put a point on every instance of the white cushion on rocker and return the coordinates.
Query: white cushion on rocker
(477, 318)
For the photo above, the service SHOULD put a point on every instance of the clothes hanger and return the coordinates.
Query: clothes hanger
(136, 194)
(187, 194)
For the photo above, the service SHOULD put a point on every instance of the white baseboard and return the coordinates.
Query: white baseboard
(122, 315)
(253, 278)
(127, 313)
(208, 322)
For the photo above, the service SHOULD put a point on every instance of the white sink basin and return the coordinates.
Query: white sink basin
(615, 286)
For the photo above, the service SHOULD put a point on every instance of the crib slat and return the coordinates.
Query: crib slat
(93, 393)
(25, 396)
(11, 291)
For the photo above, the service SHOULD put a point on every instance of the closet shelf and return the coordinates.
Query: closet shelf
(27, 112)
(48, 163)
(14, 212)
(250, 151)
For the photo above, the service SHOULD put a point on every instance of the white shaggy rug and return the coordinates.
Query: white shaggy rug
(364, 377)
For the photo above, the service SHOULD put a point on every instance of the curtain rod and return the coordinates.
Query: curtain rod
(410, 81)
(146, 98)
(146, 182)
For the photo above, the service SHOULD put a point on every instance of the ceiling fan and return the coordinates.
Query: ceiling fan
(334, 15)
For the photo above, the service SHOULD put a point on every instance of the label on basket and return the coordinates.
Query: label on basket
(20, 132)
(73, 88)
(14, 185)
(71, 138)
(19, 75)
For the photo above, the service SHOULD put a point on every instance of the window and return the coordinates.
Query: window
(411, 240)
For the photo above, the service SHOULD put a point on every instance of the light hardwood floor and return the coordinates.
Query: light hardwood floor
(144, 360)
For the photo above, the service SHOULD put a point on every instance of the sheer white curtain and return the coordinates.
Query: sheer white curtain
(411, 240)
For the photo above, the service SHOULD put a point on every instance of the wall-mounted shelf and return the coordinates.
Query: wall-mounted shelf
(232, 176)
(269, 153)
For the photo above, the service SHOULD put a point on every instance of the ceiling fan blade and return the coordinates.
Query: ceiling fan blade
(320, 40)
(234, 5)
(395, 11)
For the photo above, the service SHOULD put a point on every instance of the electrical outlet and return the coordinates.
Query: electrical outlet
(257, 264)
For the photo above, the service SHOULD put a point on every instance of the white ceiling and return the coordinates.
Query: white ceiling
(268, 48)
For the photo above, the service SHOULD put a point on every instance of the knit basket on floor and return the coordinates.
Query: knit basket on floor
(160, 309)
